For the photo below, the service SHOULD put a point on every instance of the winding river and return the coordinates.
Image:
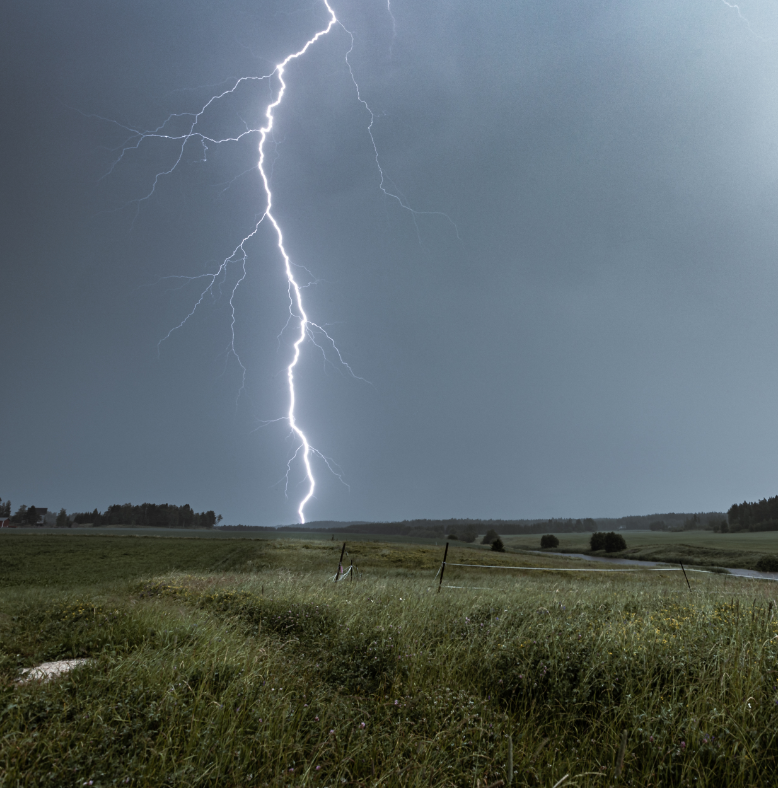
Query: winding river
(749, 573)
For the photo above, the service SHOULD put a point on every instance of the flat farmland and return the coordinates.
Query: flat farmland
(241, 663)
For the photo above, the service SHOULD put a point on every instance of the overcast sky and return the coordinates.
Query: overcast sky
(591, 329)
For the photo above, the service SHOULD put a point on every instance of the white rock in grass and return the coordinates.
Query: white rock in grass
(50, 670)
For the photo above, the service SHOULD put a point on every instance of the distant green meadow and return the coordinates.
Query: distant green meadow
(239, 662)
(739, 550)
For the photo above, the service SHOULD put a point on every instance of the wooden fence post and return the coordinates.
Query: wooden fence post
(443, 567)
(684, 574)
(340, 563)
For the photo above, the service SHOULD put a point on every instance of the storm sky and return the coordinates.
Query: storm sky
(590, 329)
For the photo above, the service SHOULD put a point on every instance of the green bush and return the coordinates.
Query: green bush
(490, 536)
(498, 546)
(768, 563)
(549, 540)
(610, 542)
(614, 543)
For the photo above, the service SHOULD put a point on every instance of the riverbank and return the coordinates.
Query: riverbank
(618, 558)
(742, 550)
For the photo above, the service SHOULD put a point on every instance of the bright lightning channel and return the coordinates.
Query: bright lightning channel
(295, 294)
(306, 328)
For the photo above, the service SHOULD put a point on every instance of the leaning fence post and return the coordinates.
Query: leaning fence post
(443, 567)
(340, 563)
(684, 574)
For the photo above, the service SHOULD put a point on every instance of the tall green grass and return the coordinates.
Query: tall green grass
(277, 676)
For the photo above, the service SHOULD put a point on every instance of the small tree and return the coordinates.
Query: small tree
(549, 540)
(597, 541)
(610, 542)
(21, 514)
(62, 519)
(614, 543)
(490, 536)
(498, 546)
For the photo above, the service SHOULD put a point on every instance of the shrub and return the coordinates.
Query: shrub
(614, 542)
(597, 541)
(490, 536)
(549, 540)
(498, 546)
(610, 542)
(767, 563)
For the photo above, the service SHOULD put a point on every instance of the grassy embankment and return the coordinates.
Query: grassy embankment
(701, 548)
(248, 666)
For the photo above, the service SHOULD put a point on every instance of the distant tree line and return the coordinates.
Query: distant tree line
(156, 515)
(759, 516)
(29, 515)
(468, 530)
(24, 515)
(670, 521)
(568, 526)
(710, 521)
(151, 514)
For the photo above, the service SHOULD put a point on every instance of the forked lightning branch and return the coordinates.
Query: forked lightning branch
(306, 331)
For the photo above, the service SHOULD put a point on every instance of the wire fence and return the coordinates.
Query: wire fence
(619, 570)
(352, 571)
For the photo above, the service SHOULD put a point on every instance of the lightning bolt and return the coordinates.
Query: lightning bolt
(394, 28)
(295, 293)
(305, 328)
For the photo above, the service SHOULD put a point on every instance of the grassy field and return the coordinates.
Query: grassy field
(702, 548)
(740, 550)
(217, 533)
(240, 663)
(66, 559)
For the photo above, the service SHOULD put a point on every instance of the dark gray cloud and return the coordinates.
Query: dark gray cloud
(599, 340)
